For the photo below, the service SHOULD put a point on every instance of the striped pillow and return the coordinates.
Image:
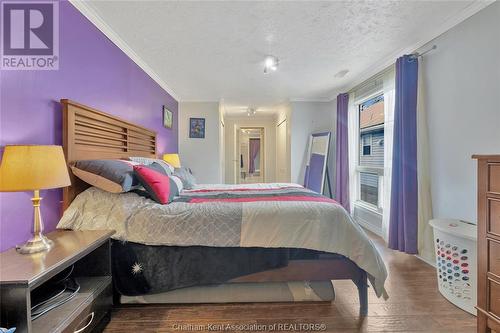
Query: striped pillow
(187, 178)
(148, 161)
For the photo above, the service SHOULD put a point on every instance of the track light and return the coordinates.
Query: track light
(271, 64)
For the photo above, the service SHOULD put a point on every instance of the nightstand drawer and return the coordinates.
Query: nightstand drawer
(92, 314)
(95, 295)
(494, 298)
(494, 216)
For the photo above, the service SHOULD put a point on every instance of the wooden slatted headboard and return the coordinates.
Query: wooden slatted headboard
(92, 134)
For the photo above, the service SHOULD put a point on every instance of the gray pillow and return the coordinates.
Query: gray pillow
(187, 178)
(115, 176)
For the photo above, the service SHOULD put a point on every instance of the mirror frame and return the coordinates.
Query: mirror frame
(325, 162)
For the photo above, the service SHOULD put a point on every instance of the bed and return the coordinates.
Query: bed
(297, 234)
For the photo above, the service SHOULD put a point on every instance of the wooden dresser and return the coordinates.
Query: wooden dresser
(488, 284)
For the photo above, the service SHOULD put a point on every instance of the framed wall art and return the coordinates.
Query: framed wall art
(168, 117)
(197, 128)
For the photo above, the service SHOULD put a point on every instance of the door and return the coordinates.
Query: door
(281, 153)
(236, 155)
(222, 152)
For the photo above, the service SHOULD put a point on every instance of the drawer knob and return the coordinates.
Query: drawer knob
(91, 316)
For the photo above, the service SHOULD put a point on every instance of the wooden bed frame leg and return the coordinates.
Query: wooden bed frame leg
(361, 282)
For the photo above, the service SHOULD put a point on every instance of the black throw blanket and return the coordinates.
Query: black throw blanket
(144, 269)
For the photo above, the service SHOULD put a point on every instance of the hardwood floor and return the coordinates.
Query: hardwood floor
(414, 305)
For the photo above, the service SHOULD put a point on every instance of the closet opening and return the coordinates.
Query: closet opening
(251, 155)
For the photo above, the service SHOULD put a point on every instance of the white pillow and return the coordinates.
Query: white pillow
(148, 161)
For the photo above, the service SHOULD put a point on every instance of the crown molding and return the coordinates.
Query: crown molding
(448, 24)
(312, 100)
(188, 100)
(238, 116)
(86, 10)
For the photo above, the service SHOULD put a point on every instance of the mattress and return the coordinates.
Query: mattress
(241, 293)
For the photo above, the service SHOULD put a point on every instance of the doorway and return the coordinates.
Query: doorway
(250, 143)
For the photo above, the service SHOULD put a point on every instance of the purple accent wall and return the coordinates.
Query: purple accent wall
(92, 71)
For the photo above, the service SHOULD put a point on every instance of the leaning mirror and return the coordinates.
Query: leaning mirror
(316, 173)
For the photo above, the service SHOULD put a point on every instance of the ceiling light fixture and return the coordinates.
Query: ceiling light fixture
(251, 112)
(341, 73)
(271, 64)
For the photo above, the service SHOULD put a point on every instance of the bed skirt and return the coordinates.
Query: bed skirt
(241, 293)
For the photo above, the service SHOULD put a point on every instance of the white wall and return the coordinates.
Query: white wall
(201, 155)
(308, 118)
(462, 82)
(268, 123)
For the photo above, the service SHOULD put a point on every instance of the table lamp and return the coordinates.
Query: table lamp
(33, 168)
(172, 159)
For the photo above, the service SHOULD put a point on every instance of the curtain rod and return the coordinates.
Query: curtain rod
(418, 54)
(380, 74)
(372, 79)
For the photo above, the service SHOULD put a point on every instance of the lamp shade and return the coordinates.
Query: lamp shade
(173, 160)
(28, 168)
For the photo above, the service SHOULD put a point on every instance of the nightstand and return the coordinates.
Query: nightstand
(88, 311)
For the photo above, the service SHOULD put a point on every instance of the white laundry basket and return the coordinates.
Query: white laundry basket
(455, 249)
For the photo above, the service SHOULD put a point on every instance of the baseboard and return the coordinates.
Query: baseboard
(432, 263)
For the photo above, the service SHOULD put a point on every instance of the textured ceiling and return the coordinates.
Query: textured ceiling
(207, 50)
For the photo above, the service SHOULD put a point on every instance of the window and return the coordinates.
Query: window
(369, 187)
(367, 144)
(371, 151)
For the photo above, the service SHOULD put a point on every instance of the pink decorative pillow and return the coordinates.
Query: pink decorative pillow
(160, 187)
